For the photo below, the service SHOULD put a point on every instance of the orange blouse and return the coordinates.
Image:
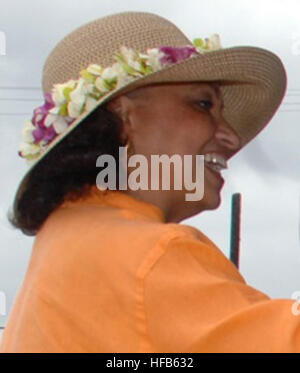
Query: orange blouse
(108, 274)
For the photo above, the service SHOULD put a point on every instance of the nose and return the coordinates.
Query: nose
(227, 136)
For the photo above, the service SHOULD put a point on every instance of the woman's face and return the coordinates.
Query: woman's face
(184, 119)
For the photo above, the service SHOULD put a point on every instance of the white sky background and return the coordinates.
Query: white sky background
(265, 172)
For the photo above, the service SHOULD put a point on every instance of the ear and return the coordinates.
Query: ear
(115, 106)
(121, 106)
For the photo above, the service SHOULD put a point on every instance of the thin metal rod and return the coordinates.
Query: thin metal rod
(235, 228)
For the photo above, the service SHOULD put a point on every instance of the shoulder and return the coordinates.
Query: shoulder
(85, 236)
(98, 240)
(190, 251)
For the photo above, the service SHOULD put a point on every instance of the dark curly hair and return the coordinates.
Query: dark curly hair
(69, 168)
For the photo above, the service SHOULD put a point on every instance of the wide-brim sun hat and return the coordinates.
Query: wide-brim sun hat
(121, 52)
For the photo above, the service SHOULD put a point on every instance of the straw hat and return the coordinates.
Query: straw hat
(253, 79)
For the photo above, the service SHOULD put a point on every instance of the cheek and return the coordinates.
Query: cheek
(194, 134)
(157, 132)
(172, 131)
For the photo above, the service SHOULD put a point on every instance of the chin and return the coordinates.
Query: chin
(211, 202)
(203, 205)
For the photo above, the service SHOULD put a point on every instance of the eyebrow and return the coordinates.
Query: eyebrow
(217, 90)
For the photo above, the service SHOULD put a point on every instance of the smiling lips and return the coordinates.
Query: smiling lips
(215, 161)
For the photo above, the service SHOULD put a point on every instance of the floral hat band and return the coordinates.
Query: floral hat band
(68, 100)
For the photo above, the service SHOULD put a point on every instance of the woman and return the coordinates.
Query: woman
(112, 270)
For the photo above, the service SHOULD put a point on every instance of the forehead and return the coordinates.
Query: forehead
(200, 86)
(164, 91)
(184, 87)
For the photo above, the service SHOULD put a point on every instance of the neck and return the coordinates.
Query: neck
(173, 211)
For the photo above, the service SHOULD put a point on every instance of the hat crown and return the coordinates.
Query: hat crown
(96, 43)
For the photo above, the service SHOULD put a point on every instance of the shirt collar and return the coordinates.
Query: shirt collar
(120, 200)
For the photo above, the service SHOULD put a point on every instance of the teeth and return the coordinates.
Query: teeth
(215, 167)
(207, 157)
(215, 161)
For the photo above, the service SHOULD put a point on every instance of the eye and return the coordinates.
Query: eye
(205, 104)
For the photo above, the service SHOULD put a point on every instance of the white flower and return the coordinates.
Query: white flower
(79, 93)
(153, 58)
(60, 124)
(27, 132)
(122, 77)
(109, 74)
(94, 69)
(90, 104)
(108, 78)
(75, 109)
(213, 43)
(50, 118)
(119, 72)
(78, 98)
(101, 85)
(55, 110)
(130, 59)
(58, 92)
(89, 87)
(129, 55)
(28, 149)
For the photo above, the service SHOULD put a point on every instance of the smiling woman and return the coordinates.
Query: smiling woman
(114, 270)
(182, 119)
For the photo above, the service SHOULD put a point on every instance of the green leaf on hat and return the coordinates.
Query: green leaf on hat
(130, 70)
(66, 92)
(145, 69)
(87, 76)
(64, 109)
(198, 42)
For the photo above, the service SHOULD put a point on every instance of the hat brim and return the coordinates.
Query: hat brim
(253, 82)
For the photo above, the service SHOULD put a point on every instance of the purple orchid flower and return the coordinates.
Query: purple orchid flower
(41, 112)
(42, 132)
(49, 134)
(46, 134)
(176, 54)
